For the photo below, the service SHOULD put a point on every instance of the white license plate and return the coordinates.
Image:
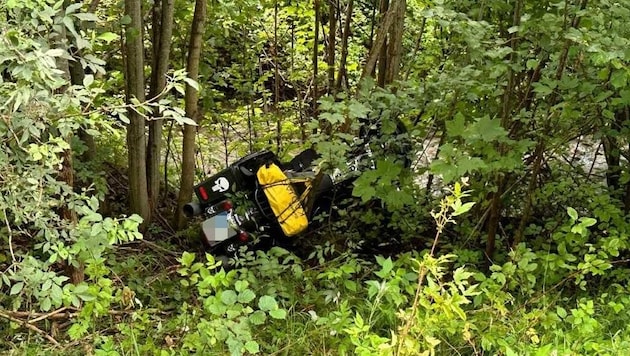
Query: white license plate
(217, 228)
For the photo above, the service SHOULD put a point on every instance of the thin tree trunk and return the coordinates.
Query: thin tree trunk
(381, 37)
(136, 140)
(66, 174)
(383, 59)
(394, 47)
(163, 30)
(169, 139)
(191, 102)
(418, 45)
(276, 80)
(496, 203)
(315, 64)
(344, 46)
(332, 35)
(77, 75)
(547, 125)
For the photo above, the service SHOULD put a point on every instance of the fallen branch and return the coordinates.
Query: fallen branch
(30, 327)
(50, 315)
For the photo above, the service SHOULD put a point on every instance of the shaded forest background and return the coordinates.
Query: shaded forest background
(112, 110)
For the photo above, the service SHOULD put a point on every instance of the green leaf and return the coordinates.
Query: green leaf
(464, 208)
(192, 83)
(86, 16)
(587, 222)
(46, 304)
(364, 191)
(619, 78)
(386, 267)
(489, 129)
(186, 120)
(228, 297)
(267, 303)
(16, 288)
(187, 259)
(278, 313)
(108, 37)
(246, 296)
(252, 347)
(73, 8)
(55, 52)
(357, 110)
(561, 312)
(240, 285)
(125, 20)
(456, 127)
(572, 213)
(258, 317)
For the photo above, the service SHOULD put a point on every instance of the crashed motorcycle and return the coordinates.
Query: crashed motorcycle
(260, 202)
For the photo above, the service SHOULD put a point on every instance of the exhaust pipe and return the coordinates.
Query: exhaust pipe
(192, 209)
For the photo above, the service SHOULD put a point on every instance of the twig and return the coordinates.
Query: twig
(10, 237)
(30, 327)
(48, 315)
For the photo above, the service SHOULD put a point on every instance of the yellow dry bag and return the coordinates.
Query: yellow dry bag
(283, 200)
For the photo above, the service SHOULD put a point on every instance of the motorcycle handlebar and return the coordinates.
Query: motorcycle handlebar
(192, 209)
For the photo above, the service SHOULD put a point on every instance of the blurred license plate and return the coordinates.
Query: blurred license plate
(217, 228)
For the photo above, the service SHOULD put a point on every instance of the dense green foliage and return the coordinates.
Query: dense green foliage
(510, 230)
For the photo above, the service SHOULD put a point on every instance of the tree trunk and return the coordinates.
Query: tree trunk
(315, 64)
(163, 30)
(381, 36)
(382, 59)
(394, 46)
(332, 35)
(276, 80)
(66, 172)
(344, 46)
(191, 102)
(136, 140)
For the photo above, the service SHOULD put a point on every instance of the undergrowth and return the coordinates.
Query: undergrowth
(566, 300)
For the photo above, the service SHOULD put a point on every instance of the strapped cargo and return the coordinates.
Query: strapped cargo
(285, 203)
